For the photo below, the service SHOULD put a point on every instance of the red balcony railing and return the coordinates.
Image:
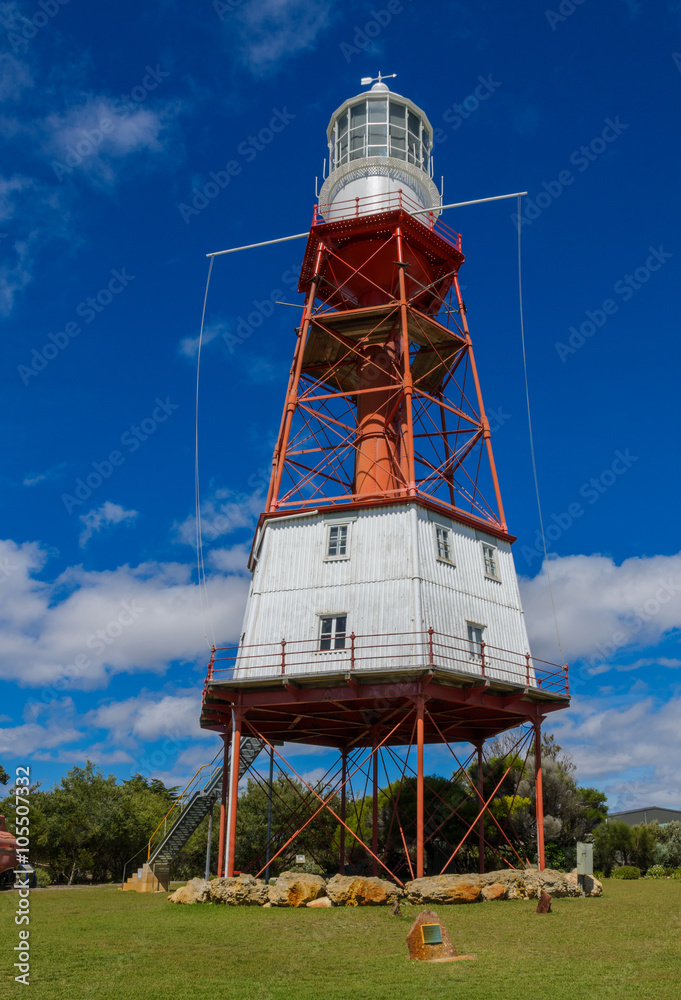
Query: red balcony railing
(386, 202)
(406, 650)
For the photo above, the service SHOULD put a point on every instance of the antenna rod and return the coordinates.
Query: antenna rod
(421, 211)
(250, 246)
(460, 204)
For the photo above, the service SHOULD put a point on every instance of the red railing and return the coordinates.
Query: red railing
(386, 202)
(413, 650)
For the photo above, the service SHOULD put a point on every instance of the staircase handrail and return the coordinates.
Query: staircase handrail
(183, 797)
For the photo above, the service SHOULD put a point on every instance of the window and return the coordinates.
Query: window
(338, 541)
(474, 642)
(333, 631)
(489, 553)
(444, 549)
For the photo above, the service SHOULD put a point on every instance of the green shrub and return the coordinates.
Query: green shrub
(626, 871)
(676, 873)
(599, 875)
(656, 871)
(42, 878)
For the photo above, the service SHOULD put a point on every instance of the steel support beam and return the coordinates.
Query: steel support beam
(419, 786)
(539, 795)
(223, 810)
(233, 790)
(344, 778)
(481, 822)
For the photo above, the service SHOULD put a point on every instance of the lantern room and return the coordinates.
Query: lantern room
(380, 143)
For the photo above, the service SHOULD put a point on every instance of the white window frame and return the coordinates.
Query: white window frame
(335, 634)
(474, 649)
(493, 558)
(338, 522)
(443, 540)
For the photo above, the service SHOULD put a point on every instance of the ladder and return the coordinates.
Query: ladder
(191, 806)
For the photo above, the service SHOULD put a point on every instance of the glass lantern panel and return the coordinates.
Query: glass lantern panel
(378, 111)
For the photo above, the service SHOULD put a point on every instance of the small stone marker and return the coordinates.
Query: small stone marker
(395, 910)
(544, 904)
(428, 940)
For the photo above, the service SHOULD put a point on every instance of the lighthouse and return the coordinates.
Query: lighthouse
(384, 608)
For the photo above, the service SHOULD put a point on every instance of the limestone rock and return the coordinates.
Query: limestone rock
(444, 889)
(522, 883)
(296, 889)
(494, 891)
(320, 904)
(242, 890)
(355, 890)
(196, 891)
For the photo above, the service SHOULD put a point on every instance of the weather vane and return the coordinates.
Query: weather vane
(366, 80)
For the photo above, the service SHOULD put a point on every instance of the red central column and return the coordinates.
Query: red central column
(377, 406)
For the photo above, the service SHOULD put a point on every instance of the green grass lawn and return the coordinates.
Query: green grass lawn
(101, 943)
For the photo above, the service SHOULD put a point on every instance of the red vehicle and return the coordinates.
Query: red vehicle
(8, 856)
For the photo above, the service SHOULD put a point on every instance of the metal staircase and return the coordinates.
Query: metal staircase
(191, 806)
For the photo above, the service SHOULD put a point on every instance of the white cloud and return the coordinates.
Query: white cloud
(222, 513)
(189, 346)
(95, 137)
(632, 752)
(108, 513)
(125, 620)
(232, 560)
(603, 609)
(56, 729)
(48, 476)
(150, 717)
(274, 30)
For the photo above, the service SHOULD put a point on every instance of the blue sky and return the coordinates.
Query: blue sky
(118, 127)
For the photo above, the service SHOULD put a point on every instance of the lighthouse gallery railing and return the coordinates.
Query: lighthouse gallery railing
(407, 650)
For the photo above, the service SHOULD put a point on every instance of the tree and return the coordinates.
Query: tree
(613, 842)
(88, 826)
(4, 776)
(668, 846)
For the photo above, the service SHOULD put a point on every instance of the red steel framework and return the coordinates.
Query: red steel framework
(383, 406)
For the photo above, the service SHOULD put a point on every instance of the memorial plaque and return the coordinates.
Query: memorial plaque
(428, 940)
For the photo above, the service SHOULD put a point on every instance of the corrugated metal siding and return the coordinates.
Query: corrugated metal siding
(294, 585)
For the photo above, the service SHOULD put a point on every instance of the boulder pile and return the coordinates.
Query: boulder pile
(301, 889)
